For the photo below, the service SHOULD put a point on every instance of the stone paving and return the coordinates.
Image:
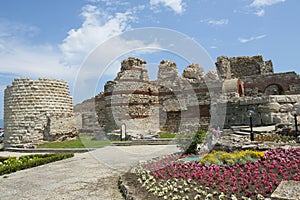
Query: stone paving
(287, 190)
(91, 175)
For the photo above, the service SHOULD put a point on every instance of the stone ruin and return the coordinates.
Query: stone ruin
(36, 111)
(86, 117)
(196, 100)
(42, 110)
(249, 83)
(171, 103)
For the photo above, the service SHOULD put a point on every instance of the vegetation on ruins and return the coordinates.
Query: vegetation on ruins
(13, 164)
(83, 141)
(169, 178)
(187, 142)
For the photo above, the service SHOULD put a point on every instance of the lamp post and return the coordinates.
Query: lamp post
(250, 114)
(296, 112)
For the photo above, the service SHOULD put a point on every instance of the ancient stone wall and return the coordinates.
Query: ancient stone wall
(238, 67)
(36, 111)
(86, 116)
(269, 110)
(276, 84)
(130, 99)
(186, 101)
(171, 103)
(196, 100)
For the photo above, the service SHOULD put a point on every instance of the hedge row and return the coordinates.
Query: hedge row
(13, 164)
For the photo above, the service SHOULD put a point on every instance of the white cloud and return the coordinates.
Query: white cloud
(34, 62)
(97, 43)
(96, 28)
(259, 5)
(176, 5)
(218, 22)
(263, 3)
(245, 40)
(260, 12)
(214, 22)
(13, 30)
(20, 57)
(105, 61)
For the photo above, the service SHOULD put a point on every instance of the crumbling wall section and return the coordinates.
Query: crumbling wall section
(238, 67)
(86, 116)
(186, 101)
(130, 99)
(37, 110)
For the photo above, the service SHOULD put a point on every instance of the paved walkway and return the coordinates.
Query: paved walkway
(91, 175)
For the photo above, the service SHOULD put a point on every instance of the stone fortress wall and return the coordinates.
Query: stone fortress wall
(129, 99)
(36, 111)
(170, 103)
(272, 96)
(195, 100)
(41, 110)
(258, 76)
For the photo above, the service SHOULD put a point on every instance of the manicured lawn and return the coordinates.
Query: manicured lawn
(83, 141)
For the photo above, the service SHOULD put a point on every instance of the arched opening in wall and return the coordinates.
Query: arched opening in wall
(274, 89)
(241, 88)
(233, 87)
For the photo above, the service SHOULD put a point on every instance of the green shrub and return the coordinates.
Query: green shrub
(13, 164)
(187, 142)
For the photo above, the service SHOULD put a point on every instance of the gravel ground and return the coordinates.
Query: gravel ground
(90, 175)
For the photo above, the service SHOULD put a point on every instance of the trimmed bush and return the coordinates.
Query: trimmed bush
(13, 164)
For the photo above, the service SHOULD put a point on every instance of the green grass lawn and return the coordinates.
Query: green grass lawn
(166, 135)
(83, 141)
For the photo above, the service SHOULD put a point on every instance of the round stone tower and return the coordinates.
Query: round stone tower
(36, 111)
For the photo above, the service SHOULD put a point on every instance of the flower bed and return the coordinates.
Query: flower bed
(167, 178)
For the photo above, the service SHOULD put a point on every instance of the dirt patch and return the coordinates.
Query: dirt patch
(134, 189)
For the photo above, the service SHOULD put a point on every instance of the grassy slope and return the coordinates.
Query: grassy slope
(84, 141)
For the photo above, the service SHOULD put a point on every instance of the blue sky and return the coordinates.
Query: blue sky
(54, 38)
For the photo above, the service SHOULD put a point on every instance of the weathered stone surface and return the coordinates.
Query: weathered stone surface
(130, 99)
(37, 110)
(211, 76)
(193, 73)
(269, 107)
(86, 117)
(287, 190)
(288, 107)
(267, 110)
(238, 67)
(186, 103)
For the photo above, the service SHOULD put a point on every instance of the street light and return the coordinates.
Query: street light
(296, 112)
(250, 114)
